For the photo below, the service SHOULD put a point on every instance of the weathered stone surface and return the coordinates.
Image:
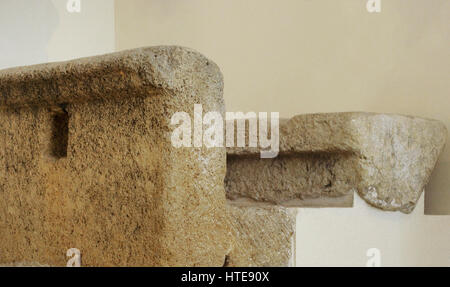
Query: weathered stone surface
(387, 159)
(24, 264)
(303, 180)
(86, 162)
(264, 236)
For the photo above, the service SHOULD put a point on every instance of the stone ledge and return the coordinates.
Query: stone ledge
(387, 159)
(117, 75)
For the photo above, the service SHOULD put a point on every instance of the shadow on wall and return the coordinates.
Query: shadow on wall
(26, 27)
(437, 199)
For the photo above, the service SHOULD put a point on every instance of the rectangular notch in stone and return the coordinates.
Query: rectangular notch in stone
(59, 133)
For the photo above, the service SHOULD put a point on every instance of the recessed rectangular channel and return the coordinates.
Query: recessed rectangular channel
(59, 134)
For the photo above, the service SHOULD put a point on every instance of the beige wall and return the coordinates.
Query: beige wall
(90, 32)
(314, 56)
(39, 31)
(342, 237)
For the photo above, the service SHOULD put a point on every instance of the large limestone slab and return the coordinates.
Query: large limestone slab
(264, 236)
(387, 159)
(86, 162)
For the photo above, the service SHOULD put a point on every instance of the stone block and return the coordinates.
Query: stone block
(264, 236)
(86, 162)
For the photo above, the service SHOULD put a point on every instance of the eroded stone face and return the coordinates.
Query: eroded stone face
(396, 157)
(324, 158)
(24, 264)
(86, 162)
(264, 236)
(310, 180)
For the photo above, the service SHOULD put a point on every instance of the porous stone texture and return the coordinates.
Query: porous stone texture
(264, 236)
(86, 162)
(24, 264)
(387, 159)
(302, 180)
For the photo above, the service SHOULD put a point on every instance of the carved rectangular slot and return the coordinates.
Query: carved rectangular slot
(59, 134)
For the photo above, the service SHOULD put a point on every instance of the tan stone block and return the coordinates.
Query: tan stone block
(86, 162)
(323, 158)
(264, 236)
